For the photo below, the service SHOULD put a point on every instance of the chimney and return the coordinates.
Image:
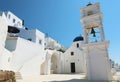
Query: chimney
(22, 22)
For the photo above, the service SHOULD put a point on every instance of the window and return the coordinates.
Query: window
(18, 23)
(9, 59)
(77, 45)
(29, 39)
(9, 16)
(90, 13)
(72, 53)
(26, 28)
(13, 20)
(40, 41)
(45, 44)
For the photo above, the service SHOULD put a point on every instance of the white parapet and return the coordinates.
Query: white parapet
(5, 55)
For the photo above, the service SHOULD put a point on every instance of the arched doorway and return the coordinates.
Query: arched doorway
(54, 64)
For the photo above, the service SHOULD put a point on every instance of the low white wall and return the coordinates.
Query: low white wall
(32, 66)
(5, 60)
(25, 50)
(28, 34)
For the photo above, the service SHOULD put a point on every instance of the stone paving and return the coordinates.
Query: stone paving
(59, 78)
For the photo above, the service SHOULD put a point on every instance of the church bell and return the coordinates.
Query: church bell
(93, 32)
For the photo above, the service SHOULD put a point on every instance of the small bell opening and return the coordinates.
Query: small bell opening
(93, 32)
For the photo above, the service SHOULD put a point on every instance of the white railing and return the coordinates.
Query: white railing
(13, 34)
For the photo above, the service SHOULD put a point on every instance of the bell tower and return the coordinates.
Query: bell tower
(95, 46)
(92, 23)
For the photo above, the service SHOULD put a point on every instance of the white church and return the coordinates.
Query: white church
(30, 52)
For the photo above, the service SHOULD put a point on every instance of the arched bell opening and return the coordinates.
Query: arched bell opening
(93, 32)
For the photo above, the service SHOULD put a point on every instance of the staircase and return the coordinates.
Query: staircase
(18, 76)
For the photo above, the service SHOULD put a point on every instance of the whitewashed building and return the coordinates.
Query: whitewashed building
(73, 60)
(24, 50)
(29, 52)
(24, 45)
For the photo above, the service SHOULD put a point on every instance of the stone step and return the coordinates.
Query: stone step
(18, 75)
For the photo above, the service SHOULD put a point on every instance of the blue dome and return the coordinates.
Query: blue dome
(89, 4)
(78, 38)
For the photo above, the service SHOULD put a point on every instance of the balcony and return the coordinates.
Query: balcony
(13, 31)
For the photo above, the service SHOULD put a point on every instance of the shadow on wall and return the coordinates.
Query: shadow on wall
(81, 80)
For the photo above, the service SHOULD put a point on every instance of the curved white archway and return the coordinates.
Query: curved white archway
(54, 64)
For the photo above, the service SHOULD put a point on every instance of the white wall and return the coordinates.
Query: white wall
(98, 64)
(18, 21)
(5, 55)
(5, 60)
(77, 58)
(3, 30)
(40, 36)
(32, 66)
(51, 43)
(25, 50)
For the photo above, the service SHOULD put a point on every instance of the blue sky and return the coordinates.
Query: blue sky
(61, 19)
